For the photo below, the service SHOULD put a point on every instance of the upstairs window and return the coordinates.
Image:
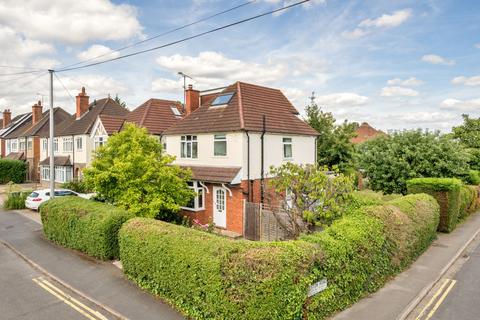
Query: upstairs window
(99, 141)
(287, 148)
(67, 144)
(189, 147)
(222, 99)
(79, 141)
(220, 145)
(45, 144)
(55, 145)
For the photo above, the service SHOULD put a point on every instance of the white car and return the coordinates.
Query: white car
(36, 198)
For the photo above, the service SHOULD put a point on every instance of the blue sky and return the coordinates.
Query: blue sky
(394, 64)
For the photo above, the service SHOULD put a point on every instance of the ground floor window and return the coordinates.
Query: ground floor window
(62, 173)
(198, 202)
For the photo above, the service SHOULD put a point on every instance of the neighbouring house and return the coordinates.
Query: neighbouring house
(9, 133)
(366, 132)
(79, 135)
(229, 138)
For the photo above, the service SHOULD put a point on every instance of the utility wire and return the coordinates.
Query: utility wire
(187, 38)
(164, 33)
(22, 72)
(25, 83)
(17, 67)
(58, 78)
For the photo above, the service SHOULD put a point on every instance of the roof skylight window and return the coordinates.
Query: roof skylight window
(222, 99)
(175, 111)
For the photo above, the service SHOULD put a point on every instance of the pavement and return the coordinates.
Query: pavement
(98, 283)
(400, 297)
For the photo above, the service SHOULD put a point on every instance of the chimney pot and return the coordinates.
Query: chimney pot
(82, 101)
(37, 111)
(7, 118)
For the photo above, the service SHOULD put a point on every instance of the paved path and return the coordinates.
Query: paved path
(405, 291)
(101, 281)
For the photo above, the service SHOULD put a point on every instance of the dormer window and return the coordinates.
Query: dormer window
(222, 99)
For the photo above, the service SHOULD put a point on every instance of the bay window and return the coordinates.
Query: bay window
(198, 202)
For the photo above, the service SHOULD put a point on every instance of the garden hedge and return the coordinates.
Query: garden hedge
(468, 200)
(210, 277)
(447, 192)
(85, 225)
(12, 170)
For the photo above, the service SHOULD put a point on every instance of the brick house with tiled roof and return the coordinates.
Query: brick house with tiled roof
(229, 138)
(78, 136)
(366, 132)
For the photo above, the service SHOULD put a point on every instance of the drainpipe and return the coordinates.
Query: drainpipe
(262, 161)
(73, 157)
(248, 165)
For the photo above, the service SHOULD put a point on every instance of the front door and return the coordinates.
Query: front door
(220, 207)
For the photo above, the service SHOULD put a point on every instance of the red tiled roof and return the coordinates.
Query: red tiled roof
(213, 174)
(112, 124)
(16, 156)
(42, 127)
(366, 132)
(245, 112)
(58, 161)
(156, 115)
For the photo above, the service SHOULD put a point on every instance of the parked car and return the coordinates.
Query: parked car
(38, 197)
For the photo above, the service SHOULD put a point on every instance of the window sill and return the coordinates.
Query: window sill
(193, 210)
(287, 159)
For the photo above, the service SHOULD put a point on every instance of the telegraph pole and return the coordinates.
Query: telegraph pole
(52, 133)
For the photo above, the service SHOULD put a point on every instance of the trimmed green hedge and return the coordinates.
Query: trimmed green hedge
(210, 277)
(447, 193)
(12, 170)
(473, 177)
(468, 200)
(85, 225)
(368, 198)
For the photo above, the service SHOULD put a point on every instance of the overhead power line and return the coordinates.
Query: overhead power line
(21, 72)
(186, 38)
(64, 87)
(164, 33)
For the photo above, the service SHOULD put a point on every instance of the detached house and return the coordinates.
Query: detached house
(77, 137)
(229, 138)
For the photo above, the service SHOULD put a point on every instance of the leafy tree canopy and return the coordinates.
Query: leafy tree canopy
(307, 196)
(334, 148)
(120, 101)
(131, 171)
(390, 161)
(469, 134)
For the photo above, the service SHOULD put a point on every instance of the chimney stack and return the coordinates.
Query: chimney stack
(7, 117)
(82, 103)
(192, 100)
(37, 111)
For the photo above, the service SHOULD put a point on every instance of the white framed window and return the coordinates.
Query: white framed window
(99, 141)
(79, 142)
(219, 145)
(45, 173)
(287, 148)
(189, 147)
(67, 144)
(198, 202)
(14, 145)
(21, 145)
(29, 144)
(62, 173)
(45, 144)
(55, 144)
(9, 146)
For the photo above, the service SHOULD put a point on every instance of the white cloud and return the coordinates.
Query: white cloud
(436, 59)
(354, 34)
(388, 20)
(19, 48)
(163, 85)
(342, 99)
(410, 82)
(98, 50)
(468, 81)
(214, 69)
(461, 105)
(420, 117)
(70, 21)
(396, 91)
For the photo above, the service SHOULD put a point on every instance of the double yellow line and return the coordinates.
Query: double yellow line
(86, 311)
(445, 289)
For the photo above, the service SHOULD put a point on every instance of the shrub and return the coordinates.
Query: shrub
(77, 185)
(468, 200)
(364, 249)
(447, 192)
(210, 277)
(12, 170)
(84, 225)
(16, 200)
(388, 162)
(473, 177)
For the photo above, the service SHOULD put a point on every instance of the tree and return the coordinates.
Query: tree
(120, 101)
(469, 135)
(307, 196)
(334, 148)
(131, 171)
(389, 161)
